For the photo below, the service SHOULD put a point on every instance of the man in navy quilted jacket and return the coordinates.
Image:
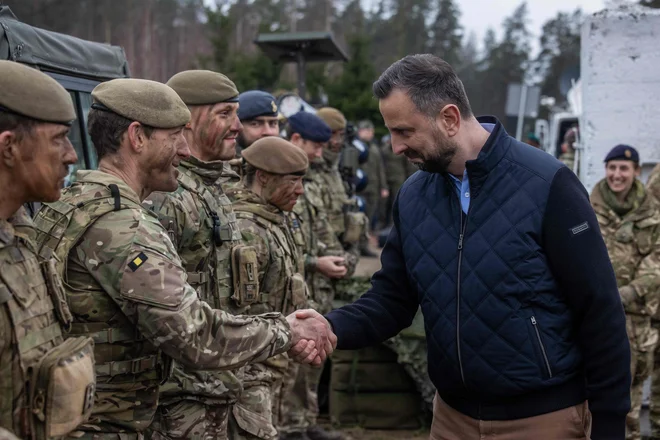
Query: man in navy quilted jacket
(498, 244)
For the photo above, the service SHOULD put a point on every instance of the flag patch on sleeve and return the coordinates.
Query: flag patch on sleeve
(138, 261)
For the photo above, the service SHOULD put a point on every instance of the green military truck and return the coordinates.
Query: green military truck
(78, 65)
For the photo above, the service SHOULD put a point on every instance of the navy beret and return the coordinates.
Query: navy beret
(623, 152)
(310, 127)
(255, 103)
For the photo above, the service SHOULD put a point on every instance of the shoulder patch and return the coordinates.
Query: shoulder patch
(138, 261)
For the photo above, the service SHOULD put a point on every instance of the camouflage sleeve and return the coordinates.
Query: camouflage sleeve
(131, 257)
(172, 215)
(646, 283)
(352, 257)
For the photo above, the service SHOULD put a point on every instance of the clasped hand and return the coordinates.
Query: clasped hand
(313, 338)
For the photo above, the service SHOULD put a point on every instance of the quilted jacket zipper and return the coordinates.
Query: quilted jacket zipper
(461, 237)
(538, 338)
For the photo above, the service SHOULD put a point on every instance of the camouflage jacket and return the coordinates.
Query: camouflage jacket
(27, 315)
(282, 287)
(126, 287)
(568, 159)
(201, 224)
(633, 243)
(333, 192)
(279, 243)
(653, 184)
(231, 173)
(320, 240)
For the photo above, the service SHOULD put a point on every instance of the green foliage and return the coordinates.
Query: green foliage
(351, 91)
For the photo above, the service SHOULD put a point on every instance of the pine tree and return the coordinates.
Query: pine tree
(445, 32)
(351, 91)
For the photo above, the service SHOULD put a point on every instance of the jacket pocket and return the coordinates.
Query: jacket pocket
(541, 346)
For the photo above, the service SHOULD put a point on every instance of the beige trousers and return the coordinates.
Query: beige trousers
(566, 424)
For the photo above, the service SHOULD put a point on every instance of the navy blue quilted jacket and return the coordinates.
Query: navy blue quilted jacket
(520, 302)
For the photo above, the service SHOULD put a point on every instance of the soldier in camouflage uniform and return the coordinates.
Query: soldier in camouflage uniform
(35, 115)
(326, 260)
(376, 192)
(348, 224)
(653, 190)
(126, 285)
(269, 189)
(399, 168)
(195, 404)
(567, 150)
(630, 222)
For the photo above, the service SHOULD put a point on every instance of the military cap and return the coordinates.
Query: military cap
(147, 102)
(255, 103)
(203, 87)
(310, 127)
(33, 94)
(365, 124)
(333, 117)
(276, 155)
(623, 152)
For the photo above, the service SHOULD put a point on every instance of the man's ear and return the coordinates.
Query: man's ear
(262, 178)
(449, 119)
(9, 148)
(136, 136)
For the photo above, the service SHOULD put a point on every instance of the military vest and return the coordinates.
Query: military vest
(48, 383)
(281, 283)
(206, 257)
(214, 286)
(129, 368)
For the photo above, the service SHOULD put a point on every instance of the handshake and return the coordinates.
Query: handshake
(313, 338)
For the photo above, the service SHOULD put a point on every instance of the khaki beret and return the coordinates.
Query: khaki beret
(147, 102)
(333, 117)
(29, 92)
(276, 155)
(203, 87)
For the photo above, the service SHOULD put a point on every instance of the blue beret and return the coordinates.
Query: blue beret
(623, 152)
(310, 127)
(255, 103)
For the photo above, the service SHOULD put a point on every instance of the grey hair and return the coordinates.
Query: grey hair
(428, 80)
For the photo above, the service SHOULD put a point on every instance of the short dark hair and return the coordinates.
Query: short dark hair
(429, 81)
(106, 130)
(22, 125)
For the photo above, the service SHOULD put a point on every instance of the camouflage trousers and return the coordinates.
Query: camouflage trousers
(298, 406)
(193, 420)
(252, 416)
(655, 389)
(643, 341)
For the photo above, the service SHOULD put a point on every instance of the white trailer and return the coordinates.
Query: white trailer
(617, 100)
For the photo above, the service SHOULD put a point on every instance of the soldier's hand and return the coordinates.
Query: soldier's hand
(305, 352)
(331, 266)
(309, 325)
